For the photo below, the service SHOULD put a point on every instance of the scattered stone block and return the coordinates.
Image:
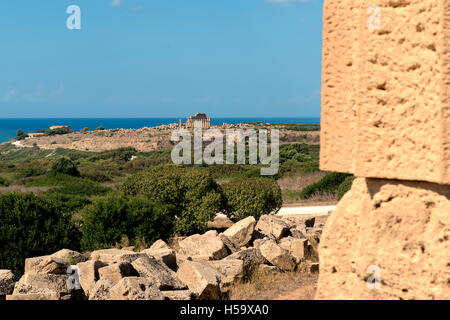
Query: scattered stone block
(241, 232)
(277, 256)
(158, 273)
(207, 244)
(202, 279)
(272, 226)
(115, 272)
(89, 274)
(135, 288)
(6, 282)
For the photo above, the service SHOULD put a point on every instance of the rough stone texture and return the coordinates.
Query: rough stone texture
(42, 283)
(166, 255)
(101, 290)
(89, 274)
(158, 273)
(135, 288)
(272, 226)
(277, 256)
(110, 256)
(250, 256)
(203, 280)
(159, 244)
(207, 244)
(50, 264)
(33, 296)
(6, 282)
(401, 227)
(241, 232)
(115, 272)
(385, 92)
(178, 295)
(231, 246)
(69, 255)
(231, 270)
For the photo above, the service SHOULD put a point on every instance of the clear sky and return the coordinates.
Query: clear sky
(161, 58)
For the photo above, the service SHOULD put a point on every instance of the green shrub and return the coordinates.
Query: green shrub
(99, 128)
(64, 165)
(252, 197)
(3, 182)
(121, 154)
(194, 194)
(345, 186)
(328, 183)
(110, 218)
(64, 184)
(20, 135)
(32, 226)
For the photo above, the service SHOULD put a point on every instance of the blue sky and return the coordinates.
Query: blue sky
(161, 58)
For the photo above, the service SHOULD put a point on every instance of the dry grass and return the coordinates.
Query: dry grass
(22, 189)
(297, 183)
(299, 285)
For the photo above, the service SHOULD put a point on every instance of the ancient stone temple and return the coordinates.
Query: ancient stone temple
(386, 119)
(198, 118)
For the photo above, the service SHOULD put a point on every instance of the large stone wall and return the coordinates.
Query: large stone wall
(386, 118)
(385, 91)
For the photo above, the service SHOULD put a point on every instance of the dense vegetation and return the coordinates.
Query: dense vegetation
(32, 226)
(86, 200)
(252, 197)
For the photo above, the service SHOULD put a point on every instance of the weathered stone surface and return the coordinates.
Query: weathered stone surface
(33, 296)
(135, 288)
(296, 233)
(202, 279)
(272, 225)
(241, 232)
(231, 270)
(115, 272)
(159, 244)
(250, 256)
(178, 295)
(266, 269)
(402, 228)
(207, 244)
(285, 243)
(220, 222)
(101, 290)
(231, 246)
(297, 249)
(385, 89)
(6, 282)
(158, 273)
(166, 255)
(70, 255)
(113, 255)
(50, 264)
(88, 273)
(277, 256)
(42, 283)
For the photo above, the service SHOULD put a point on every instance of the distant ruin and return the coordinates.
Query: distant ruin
(198, 118)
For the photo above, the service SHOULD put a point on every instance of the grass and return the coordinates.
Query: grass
(299, 285)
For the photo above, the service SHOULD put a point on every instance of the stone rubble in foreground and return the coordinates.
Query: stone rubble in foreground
(203, 267)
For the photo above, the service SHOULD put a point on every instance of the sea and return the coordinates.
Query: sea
(10, 126)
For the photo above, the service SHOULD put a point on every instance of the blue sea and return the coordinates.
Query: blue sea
(9, 127)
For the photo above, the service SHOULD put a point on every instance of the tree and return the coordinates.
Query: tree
(194, 194)
(20, 135)
(251, 197)
(64, 165)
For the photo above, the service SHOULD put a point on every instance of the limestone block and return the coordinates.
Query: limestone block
(385, 91)
(399, 228)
